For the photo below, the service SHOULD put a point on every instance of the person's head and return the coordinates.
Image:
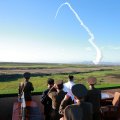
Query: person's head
(50, 82)
(79, 91)
(91, 81)
(59, 84)
(27, 75)
(71, 77)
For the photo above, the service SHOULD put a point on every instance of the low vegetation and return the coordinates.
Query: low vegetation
(11, 75)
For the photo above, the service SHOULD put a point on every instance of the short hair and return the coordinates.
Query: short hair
(50, 81)
(27, 75)
(71, 77)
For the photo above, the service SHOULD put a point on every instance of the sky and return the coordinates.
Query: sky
(30, 32)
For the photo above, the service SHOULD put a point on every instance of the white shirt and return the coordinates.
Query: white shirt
(67, 88)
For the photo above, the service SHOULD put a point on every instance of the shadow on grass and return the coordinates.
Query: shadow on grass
(14, 77)
(116, 76)
(8, 78)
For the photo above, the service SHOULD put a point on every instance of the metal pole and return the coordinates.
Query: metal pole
(23, 107)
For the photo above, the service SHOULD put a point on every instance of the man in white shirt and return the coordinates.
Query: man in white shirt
(68, 86)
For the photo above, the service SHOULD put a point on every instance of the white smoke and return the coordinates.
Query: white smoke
(91, 39)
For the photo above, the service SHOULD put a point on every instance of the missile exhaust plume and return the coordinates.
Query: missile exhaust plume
(91, 39)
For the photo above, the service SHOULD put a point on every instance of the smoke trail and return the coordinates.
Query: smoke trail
(91, 39)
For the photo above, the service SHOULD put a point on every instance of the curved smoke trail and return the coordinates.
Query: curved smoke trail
(91, 39)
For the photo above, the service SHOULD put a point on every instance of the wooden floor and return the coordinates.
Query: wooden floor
(6, 107)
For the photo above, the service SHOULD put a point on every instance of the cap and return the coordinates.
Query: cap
(59, 84)
(91, 80)
(79, 90)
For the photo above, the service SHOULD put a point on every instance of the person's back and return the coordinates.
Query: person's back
(81, 111)
(26, 87)
(94, 97)
(46, 100)
(68, 85)
(56, 96)
(64, 103)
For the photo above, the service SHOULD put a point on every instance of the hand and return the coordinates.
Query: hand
(55, 86)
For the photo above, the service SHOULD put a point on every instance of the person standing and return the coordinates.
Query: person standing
(81, 110)
(57, 94)
(46, 100)
(26, 87)
(94, 97)
(68, 85)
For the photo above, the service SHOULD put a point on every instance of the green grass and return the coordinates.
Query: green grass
(40, 82)
(40, 65)
(105, 85)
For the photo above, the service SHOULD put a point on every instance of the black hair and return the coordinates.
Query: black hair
(50, 81)
(27, 75)
(71, 77)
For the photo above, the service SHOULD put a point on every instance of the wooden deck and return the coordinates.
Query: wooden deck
(7, 106)
(31, 111)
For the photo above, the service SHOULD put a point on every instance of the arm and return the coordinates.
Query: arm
(66, 114)
(32, 88)
(65, 102)
(44, 97)
(52, 89)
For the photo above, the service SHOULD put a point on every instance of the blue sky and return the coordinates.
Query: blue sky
(29, 31)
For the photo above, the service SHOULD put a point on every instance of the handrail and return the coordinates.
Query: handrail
(39, 93)
(16, 94)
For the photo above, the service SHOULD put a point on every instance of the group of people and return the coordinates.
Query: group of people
(67, 101)
(70, 101)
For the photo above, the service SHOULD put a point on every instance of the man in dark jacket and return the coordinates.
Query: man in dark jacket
(57, 94)
(80, 110)
(26, 87)
(94, 97)
(46, 101)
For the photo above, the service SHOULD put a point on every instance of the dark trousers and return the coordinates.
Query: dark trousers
(96, 116)
(47, 117)
(54, 115)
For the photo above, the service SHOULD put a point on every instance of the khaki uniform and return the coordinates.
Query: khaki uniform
(78, 111)
(64, 104)
(56, 97)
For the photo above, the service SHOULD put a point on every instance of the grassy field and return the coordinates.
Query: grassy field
(11, 75)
